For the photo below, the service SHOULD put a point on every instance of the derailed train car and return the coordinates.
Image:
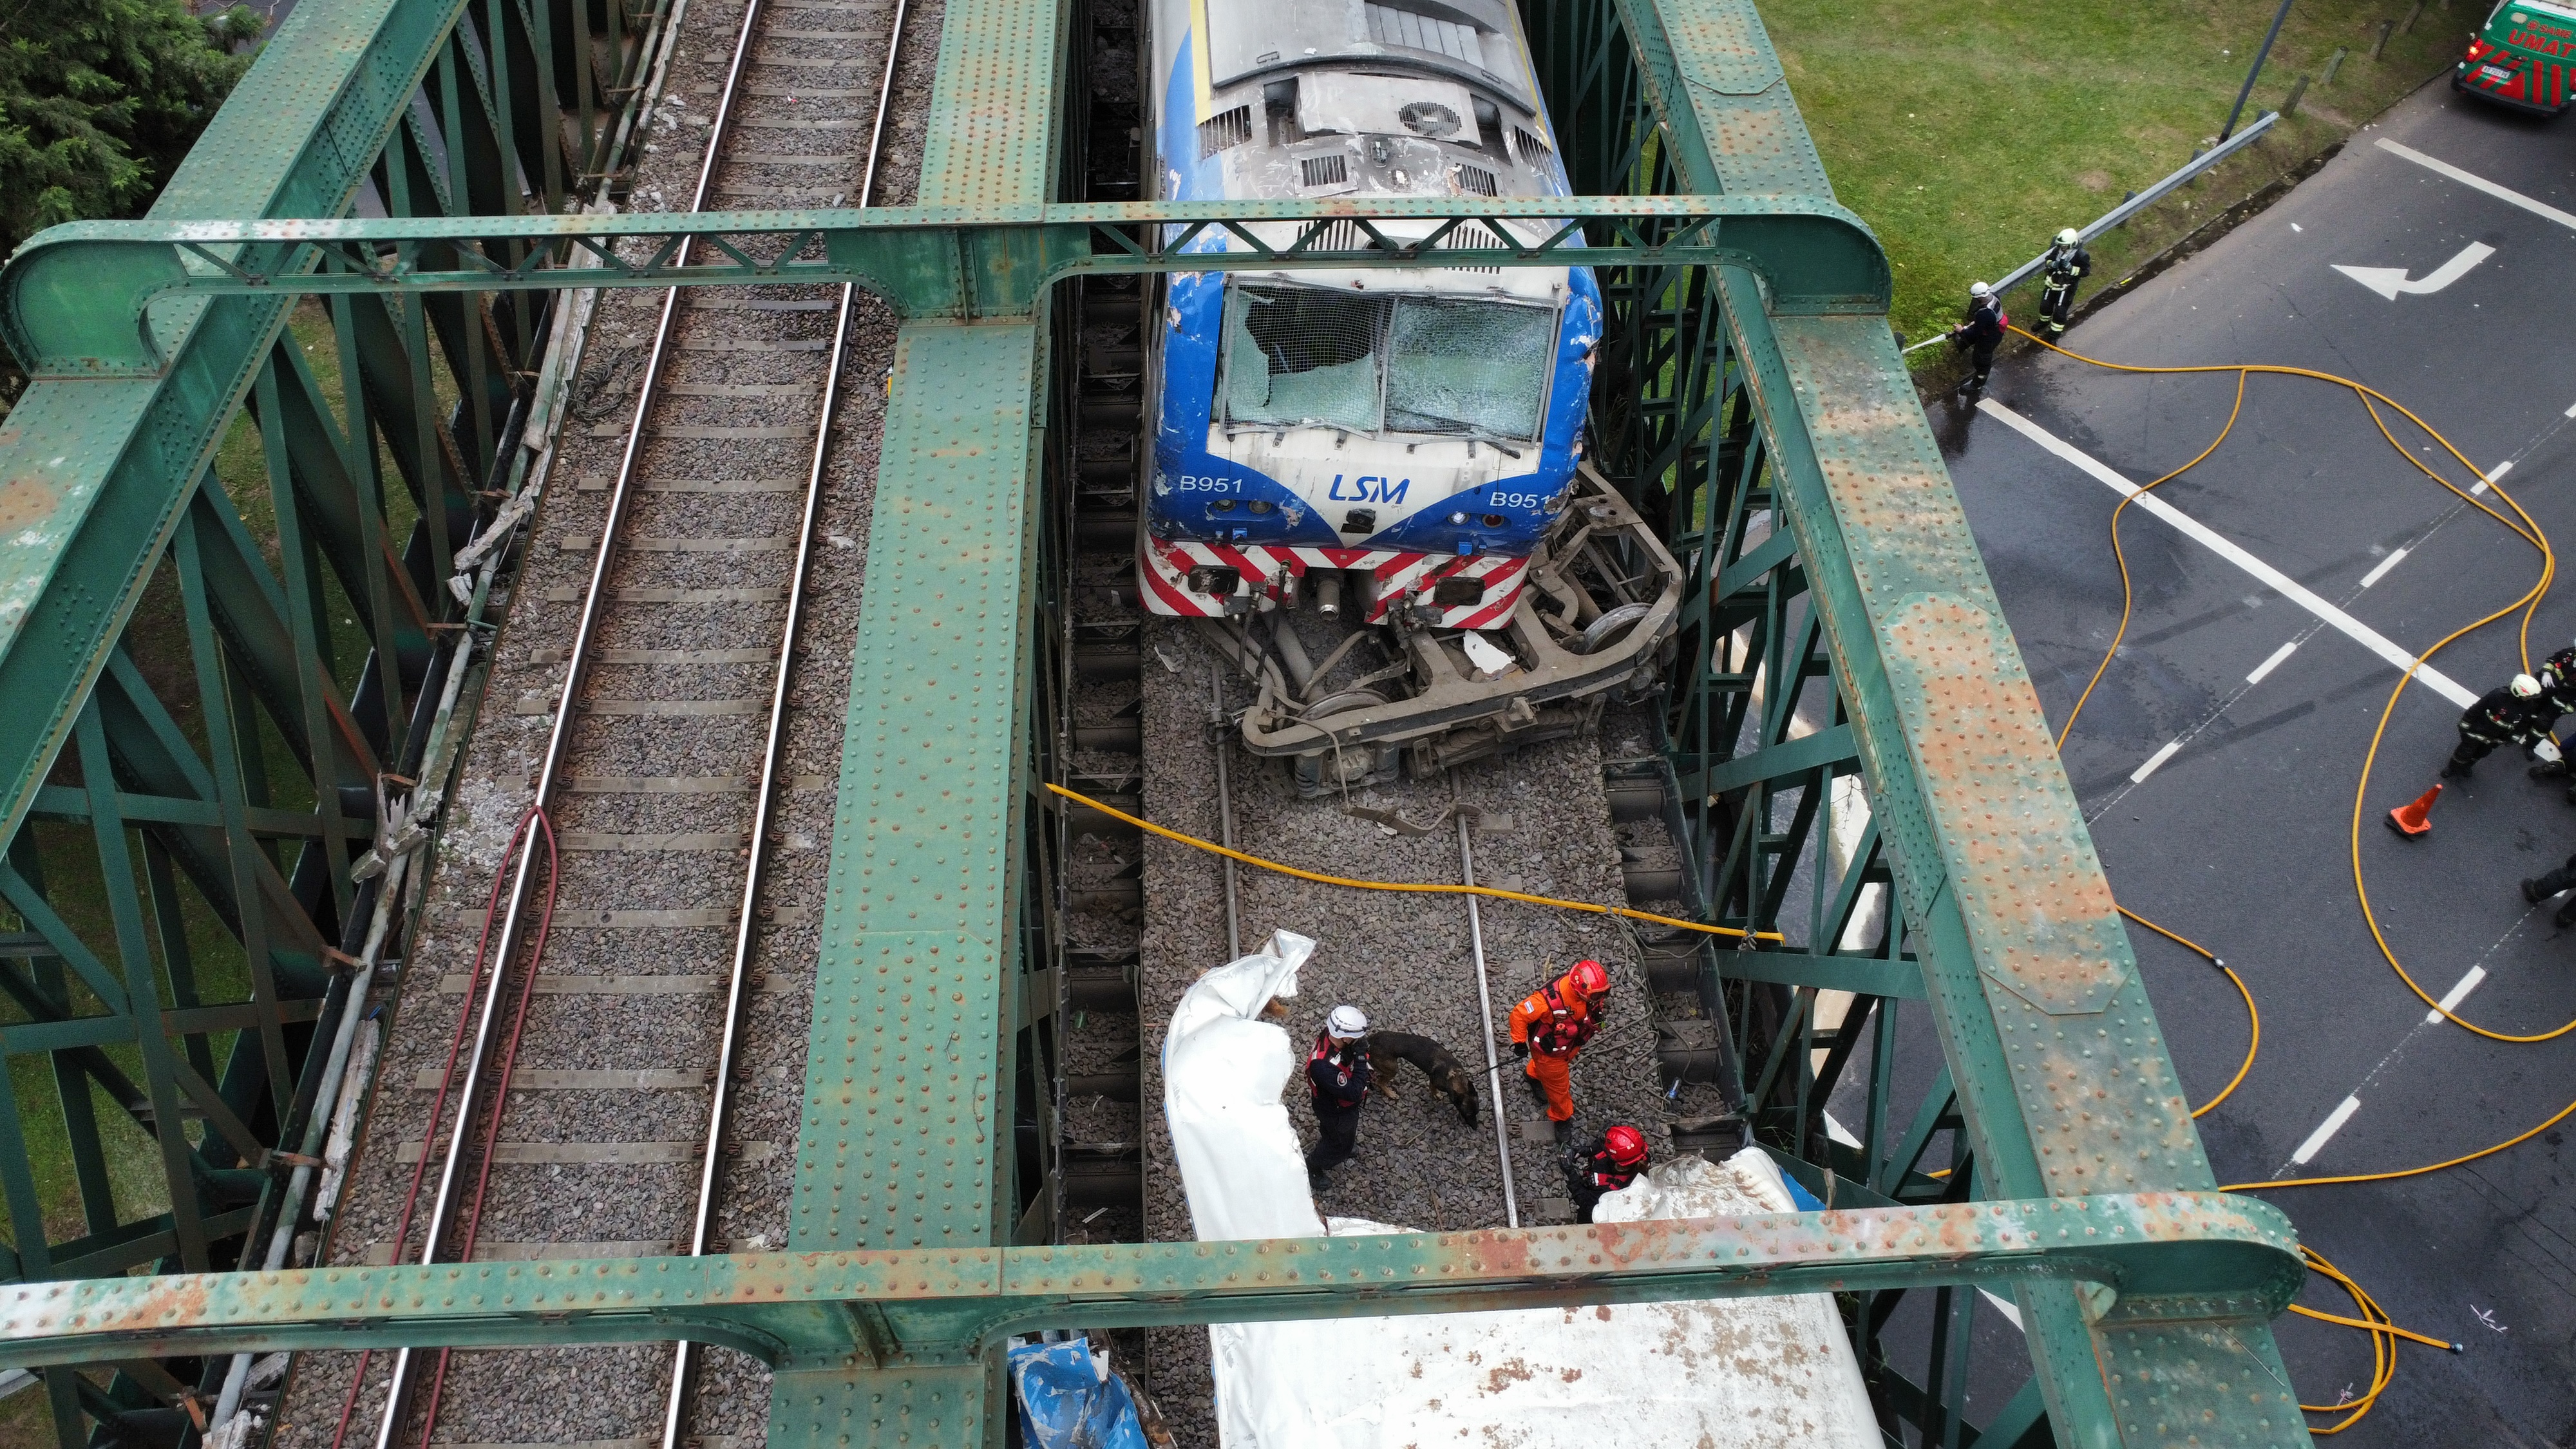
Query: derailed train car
(1392, 457)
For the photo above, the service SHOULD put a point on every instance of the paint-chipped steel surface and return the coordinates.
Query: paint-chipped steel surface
(2181, 1256)
(1813, 255)
(92, 475)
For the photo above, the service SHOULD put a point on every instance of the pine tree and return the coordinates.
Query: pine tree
(99, 101)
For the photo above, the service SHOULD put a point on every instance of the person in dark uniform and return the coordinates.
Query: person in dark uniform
(2066, 264)
(2509, 715)
(1611, 1164)
(2542, 887)
(1337, 1076)
(1980, 332)
(2557, 676)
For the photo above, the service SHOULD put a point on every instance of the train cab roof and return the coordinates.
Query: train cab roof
(1474, 40)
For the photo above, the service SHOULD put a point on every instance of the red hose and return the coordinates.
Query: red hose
(455, 1048)
(500, 1104)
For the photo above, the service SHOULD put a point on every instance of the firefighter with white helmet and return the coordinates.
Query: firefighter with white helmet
(2509, 715)
(2557, 676)
(2066, 264)
(1980, 332)
(1337, 1077)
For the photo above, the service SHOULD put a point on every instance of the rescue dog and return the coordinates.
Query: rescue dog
(1448, 1076)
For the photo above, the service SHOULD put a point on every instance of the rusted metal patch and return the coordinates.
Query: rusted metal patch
(933, 1305)
(2036, 902)
(1720, 47)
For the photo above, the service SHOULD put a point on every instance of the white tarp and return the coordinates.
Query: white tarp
(1747, 1373)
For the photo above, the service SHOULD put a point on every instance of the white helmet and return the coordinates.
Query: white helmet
(1979, 289)
(2066, 237)
(2523, 687)
(1347, 1023)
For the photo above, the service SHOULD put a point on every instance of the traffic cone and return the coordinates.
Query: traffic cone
(2415, 819)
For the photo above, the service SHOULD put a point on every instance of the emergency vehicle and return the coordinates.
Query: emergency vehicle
(2522, 58)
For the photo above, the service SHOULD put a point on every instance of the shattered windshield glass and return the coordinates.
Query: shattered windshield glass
(1460, 366)
(1309, 356)
(1300, 355)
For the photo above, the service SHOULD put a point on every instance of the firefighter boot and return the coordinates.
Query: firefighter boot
(2541, 887)
(1564, 1133)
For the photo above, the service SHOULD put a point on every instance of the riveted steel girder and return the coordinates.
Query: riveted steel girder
(2062, 1076)
(78, 300)
(2155, 1259)
(2055, 1072)
(94, 477)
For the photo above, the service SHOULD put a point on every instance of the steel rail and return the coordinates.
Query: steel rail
(451, 1167)
(1485, 1004)
(1219, 741)
(773, 744)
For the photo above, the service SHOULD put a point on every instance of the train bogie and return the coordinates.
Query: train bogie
(1400, 446)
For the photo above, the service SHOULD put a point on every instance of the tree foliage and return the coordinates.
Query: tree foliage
(99, 101)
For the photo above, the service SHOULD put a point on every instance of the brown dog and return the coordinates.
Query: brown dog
(1449, 1077)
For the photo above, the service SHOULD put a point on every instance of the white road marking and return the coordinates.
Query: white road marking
(2571, 410)
(2451, 999)
(2279, 582)
(2294, 226)
(2489, 481)
(2268, 665)
(2479, 183)
(2381, 572)
(2325, 1132)
(2391, 282)
(2010, 1310)
(2140, 774)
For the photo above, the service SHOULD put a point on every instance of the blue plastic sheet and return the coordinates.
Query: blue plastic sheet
(1066, 1404)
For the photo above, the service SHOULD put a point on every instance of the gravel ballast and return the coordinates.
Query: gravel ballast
(733, 487)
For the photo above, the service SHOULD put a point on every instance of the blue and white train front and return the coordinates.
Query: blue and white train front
(1418, 429)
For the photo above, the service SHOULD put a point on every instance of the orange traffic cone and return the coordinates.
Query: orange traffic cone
(2415, 819)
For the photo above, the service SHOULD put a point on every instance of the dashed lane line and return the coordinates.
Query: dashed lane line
(2279, 657)
(2381, 572)
(2325, 1132)
(2458, 993)
(2489, 481)
(2140, 774)
(2192, 528)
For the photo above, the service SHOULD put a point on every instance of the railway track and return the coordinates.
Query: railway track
(598, 1046)
(1150, 727)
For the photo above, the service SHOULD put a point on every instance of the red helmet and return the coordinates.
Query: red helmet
(1589, 978)
(1627, 1145)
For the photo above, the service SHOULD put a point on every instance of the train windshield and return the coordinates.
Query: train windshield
(1306, 356)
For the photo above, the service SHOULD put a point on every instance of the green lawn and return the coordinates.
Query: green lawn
(1966, 132)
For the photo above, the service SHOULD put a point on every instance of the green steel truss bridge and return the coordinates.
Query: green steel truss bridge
(223, 819)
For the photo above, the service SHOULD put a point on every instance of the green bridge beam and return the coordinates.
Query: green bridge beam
(2062, 1073)
(906, 1144)
(74, 299)
(2165, 1259)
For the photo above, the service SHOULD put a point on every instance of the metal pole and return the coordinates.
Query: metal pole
(2259, 56)
(1485, 1003)
(1224, 811)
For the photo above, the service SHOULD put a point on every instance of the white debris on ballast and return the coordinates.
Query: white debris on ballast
(1749, 1372)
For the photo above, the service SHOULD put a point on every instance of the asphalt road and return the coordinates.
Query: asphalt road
(2240, 835)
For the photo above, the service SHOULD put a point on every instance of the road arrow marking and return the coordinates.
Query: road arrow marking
(2389, 282)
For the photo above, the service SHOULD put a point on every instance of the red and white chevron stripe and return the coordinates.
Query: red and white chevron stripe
(1163, 577)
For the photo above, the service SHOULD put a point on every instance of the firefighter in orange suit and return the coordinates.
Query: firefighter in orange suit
(1549, 1026)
